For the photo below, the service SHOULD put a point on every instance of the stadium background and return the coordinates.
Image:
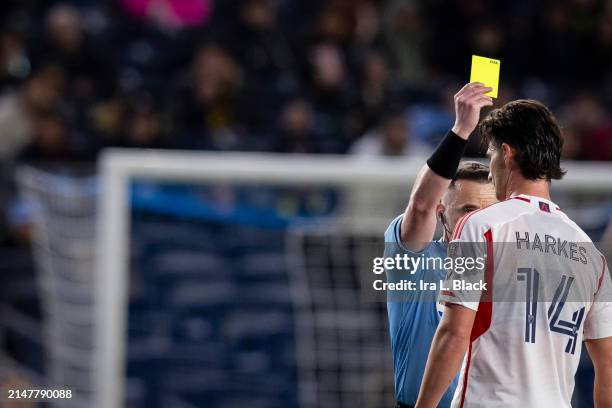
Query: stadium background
(216, 313)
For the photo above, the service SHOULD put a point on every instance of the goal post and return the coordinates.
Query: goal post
(376, 189)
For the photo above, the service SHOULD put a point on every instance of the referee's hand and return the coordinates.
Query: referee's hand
(468, 102)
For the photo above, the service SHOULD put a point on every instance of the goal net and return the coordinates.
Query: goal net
(237, 279)
(63, 248)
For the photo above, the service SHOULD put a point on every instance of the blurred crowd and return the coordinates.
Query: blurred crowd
(366, 77)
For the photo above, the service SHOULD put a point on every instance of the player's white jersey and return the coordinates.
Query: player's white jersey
(547, 289)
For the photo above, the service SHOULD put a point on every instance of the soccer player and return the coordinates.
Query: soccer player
(549, 289)
(440, 191)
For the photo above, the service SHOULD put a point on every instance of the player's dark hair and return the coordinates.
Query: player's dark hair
(471, 170)
(532, 131)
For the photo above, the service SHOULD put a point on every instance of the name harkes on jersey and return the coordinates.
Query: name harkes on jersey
(551, 245)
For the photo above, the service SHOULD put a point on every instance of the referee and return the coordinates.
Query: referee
(444, 190)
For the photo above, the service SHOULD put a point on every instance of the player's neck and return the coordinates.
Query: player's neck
(535, 188)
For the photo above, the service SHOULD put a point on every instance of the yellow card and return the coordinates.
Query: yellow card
(486, 70)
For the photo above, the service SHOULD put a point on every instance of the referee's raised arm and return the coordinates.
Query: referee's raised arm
(419, 221)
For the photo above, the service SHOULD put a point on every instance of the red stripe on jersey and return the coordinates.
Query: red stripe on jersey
(482, 321)
(603, 271)
(458, 225)
(463, 223)
(522, 199)
(484, 315)
(448, 293)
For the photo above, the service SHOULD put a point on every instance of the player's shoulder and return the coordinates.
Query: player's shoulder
(393, 230)
(478, 221)
(393, 240)
(580, 235)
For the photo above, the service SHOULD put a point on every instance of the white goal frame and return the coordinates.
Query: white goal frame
(119, 167)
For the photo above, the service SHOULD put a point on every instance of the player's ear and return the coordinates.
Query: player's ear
(508, 154)
(440, 210)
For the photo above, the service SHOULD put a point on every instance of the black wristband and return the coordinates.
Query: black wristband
(445, 159)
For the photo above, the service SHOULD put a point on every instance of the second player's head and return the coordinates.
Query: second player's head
(470, 190)
(523, 139)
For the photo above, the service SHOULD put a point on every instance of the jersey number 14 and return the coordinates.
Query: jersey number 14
(531, 277)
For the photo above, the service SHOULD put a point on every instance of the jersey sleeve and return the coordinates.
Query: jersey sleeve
(394, 247)
(393, 240)
(598, 324)
(467, 271)
(392, 234)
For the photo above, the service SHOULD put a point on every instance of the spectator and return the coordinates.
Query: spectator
(49, 140)
(405, 34)
(209, 113)
(262, 49)
(557, 46)
(41, 92)
(297, 129)
(585, 115)
(390, 139)
(258, 43)
(376, 92)
(90, 74)
(335, 24)
(141, 126)
(431, 119)
(366, 34)
(330, 93)
(367, 24)
(488, 39)
(15, 64)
